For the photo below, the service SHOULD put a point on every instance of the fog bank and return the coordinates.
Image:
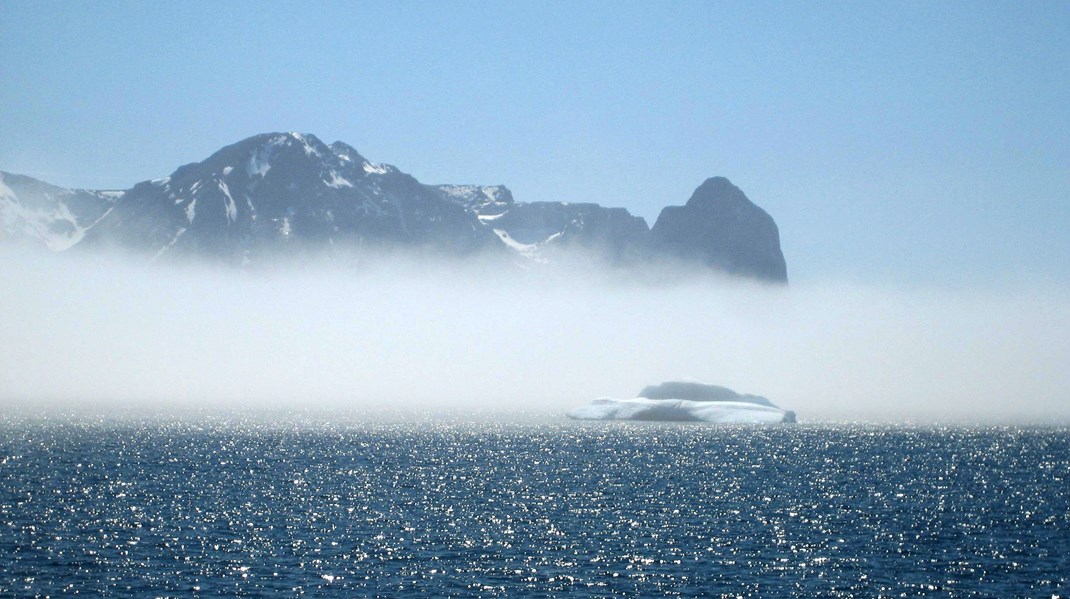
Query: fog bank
(111, 332)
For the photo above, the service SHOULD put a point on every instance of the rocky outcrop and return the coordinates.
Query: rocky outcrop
(720, 228)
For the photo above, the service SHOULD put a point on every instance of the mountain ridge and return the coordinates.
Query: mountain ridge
(292, 192)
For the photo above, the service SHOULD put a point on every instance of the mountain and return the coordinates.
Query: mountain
(33, 211)
(286, 192)
(721, 228)
(541, 229)
(291, 193)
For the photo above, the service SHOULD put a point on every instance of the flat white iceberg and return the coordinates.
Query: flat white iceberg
(686, 402)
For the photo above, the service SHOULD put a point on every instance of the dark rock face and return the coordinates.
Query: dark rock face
(721, 228)
(289, 193)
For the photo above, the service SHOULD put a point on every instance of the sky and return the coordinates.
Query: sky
(912, 143)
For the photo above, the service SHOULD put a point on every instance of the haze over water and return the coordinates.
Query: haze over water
(398, 334)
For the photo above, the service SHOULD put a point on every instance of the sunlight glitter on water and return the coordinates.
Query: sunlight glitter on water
(412, 509)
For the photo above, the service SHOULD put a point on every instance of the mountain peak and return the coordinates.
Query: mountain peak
(717, 191)
(306, 142)
(296, 154)
(721, 227)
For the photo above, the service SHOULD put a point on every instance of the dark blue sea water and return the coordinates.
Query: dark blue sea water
(232, 507)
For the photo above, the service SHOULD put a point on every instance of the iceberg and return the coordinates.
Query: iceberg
(686, 402)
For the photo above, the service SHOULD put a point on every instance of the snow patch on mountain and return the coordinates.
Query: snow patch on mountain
(485, 200)
(310, 150)
(260, 162)
(528, 250)
(231, 207)
(169, 245)
(337, 181)
(375, 169)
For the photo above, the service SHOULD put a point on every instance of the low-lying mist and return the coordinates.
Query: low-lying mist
(114, 333)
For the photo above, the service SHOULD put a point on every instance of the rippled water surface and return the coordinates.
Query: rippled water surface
(233, 507)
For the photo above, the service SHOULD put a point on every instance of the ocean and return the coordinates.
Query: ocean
(233, 506)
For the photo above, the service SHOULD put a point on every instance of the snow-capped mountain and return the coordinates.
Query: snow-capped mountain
(291, 193)
(282, 191)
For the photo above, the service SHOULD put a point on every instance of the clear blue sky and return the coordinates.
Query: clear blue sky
(899, 141)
